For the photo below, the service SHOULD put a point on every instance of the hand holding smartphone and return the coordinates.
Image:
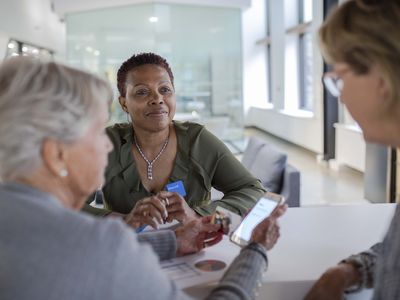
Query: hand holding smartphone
(227, 219)
(263, 208)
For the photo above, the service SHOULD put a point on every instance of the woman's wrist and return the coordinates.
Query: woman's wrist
(351, 276)
(258, 247)
(190, 215)
(342, 277)
(354, 274)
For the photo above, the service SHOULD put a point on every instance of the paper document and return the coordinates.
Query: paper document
(205, 267)
(170, 226)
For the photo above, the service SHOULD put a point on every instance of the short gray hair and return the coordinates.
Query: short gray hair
(39, 101)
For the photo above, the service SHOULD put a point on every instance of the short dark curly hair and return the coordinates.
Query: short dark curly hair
(137, 60)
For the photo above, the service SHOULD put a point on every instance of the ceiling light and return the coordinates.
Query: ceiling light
(153, 19)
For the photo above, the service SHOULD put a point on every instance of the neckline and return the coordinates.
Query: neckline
(128, 163)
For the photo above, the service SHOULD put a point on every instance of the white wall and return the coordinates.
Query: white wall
(350, 147)
(303, 129)
(31, 21)
(3, 44)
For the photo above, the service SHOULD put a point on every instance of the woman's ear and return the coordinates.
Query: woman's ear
(122, 102)
(383, 85)
(54, 157)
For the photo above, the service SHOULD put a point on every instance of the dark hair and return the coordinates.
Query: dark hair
(137, 60)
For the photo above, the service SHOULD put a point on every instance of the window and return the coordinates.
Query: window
(266, 42)
(298, 55)
(268, 50)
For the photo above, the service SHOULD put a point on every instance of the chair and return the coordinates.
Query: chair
(270, 166)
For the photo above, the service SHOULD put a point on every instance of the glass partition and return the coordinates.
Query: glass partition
(202, 45)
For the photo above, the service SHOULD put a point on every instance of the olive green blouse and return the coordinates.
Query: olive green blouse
(202, 161)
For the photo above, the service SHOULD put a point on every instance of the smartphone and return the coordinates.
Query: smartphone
(263, 208)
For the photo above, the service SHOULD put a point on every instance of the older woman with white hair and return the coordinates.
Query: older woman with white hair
(53, 152)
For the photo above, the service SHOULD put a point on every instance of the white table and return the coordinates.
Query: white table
(313, 239)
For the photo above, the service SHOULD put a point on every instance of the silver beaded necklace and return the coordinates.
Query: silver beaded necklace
(150, 163)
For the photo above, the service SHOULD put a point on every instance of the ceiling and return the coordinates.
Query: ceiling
(63, 7)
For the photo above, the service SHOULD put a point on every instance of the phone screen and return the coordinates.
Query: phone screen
(260, 211)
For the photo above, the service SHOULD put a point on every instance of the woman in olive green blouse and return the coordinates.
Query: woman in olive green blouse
(154, 150)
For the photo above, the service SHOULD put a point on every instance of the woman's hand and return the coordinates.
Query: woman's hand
(177, 207)
(148, 211)
(267, 232)
(197, 234)
(333, 283)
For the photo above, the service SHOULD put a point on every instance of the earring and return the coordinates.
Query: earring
(63, 173)
(128, 118)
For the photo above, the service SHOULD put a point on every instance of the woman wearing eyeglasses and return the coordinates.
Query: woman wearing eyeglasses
(362, 41)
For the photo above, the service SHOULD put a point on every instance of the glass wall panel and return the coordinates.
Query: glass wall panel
(202, 45)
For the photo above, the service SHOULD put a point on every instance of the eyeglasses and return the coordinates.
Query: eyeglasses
(333, 83)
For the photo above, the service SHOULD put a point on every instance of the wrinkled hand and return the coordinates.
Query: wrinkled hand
(177, 207)
(147, 211)
(333, 283)
(267, 232)
(196, 235)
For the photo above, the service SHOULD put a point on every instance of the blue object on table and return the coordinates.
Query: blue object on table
(176, 187)
(140, 229)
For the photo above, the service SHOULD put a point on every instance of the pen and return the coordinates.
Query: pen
(140, 229)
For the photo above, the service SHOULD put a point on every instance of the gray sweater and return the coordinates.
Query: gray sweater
(379, 266)
(50, 252)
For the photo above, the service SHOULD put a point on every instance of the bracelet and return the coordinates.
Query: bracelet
(258, 248)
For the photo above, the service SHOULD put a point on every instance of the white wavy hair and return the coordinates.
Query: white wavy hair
(39, 101)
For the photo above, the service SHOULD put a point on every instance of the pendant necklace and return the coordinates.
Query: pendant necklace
(150, 163)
